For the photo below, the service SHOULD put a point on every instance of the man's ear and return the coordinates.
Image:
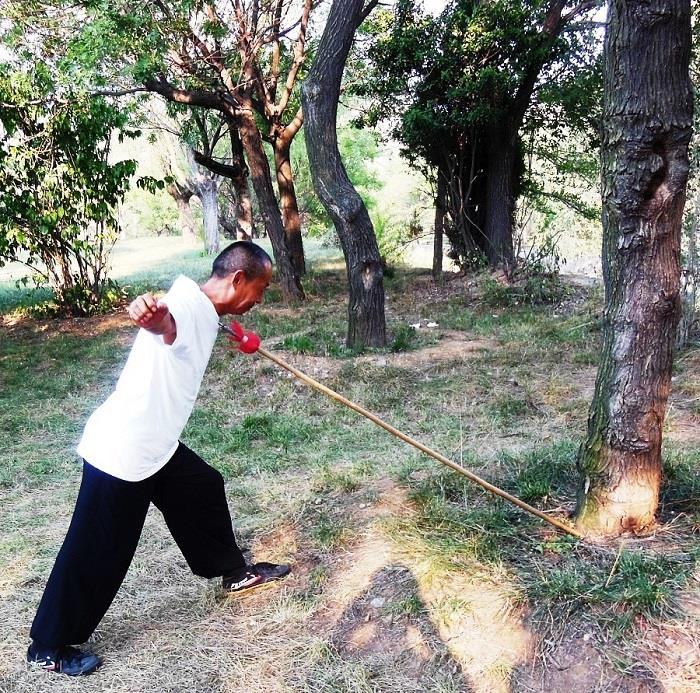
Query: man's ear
(237, 278)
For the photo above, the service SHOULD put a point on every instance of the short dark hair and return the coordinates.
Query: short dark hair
(241, 255)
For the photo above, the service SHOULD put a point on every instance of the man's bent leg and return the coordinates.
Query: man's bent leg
(191, 496)
(93, 561)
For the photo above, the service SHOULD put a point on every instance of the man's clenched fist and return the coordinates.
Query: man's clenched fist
(153, 315)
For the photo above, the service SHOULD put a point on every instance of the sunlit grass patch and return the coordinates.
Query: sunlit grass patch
(256, 441)
(17, 300)
(318, 343)
(609, 589)
(50, 381)
(507, 408)
(342, 481)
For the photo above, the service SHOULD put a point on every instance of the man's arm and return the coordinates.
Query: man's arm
(153, 315)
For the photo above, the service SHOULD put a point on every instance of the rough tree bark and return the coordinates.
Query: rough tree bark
(501, 181)
(647, 119)
(244, 205)
(288, 201)
(320, 94)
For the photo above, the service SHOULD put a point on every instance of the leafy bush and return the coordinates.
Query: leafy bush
(404, 338)
(58, 189)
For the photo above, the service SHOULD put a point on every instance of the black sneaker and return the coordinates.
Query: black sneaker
(63, 660)
(253, 576)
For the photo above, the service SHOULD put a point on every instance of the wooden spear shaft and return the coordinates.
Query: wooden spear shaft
(417, 444)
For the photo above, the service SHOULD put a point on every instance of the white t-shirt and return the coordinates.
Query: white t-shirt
(136, 431)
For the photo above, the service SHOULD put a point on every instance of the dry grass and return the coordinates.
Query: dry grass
(404, 578)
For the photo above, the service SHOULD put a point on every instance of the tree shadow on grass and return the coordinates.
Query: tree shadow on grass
(385, 640)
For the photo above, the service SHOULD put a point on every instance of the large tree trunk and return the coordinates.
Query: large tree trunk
(262, 182)
(647, 115)
(186, 218)
(501, 180)
(320, 94)
(207, 189)
(439, 227)
(288, 204)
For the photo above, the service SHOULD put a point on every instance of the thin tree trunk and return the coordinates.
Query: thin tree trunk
(262, 182)
(320, 94)
(439, 227)
(288, 204)
(647, 120)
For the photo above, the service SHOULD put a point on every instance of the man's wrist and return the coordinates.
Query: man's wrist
(170, 332)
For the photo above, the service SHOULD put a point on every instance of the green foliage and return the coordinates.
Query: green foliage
(58, 191)
(392, 236)
(449, 84)
(149, 214)
(404, 338)
(534, 289)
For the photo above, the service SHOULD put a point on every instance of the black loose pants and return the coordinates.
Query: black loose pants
(105, 530)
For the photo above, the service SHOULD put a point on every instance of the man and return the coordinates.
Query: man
(132, 458)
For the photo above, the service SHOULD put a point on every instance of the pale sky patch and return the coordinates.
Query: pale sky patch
(434, 6)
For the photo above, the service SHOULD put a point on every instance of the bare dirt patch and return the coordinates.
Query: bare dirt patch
(23, 328)
(454, 346)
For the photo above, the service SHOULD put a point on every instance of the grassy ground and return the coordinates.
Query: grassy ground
(405, 577)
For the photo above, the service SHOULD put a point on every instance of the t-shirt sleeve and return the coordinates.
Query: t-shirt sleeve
(179, 303)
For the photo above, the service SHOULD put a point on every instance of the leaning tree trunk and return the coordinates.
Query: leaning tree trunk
(288, 204)
(320, 94)
(262, 183)
(647, 115)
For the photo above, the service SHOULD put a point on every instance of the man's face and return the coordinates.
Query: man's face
(248, 292)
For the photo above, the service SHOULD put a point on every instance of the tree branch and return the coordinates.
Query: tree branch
(367, 11)
(232, 171)
(299, 56)
(581, 8)
(192, 97)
